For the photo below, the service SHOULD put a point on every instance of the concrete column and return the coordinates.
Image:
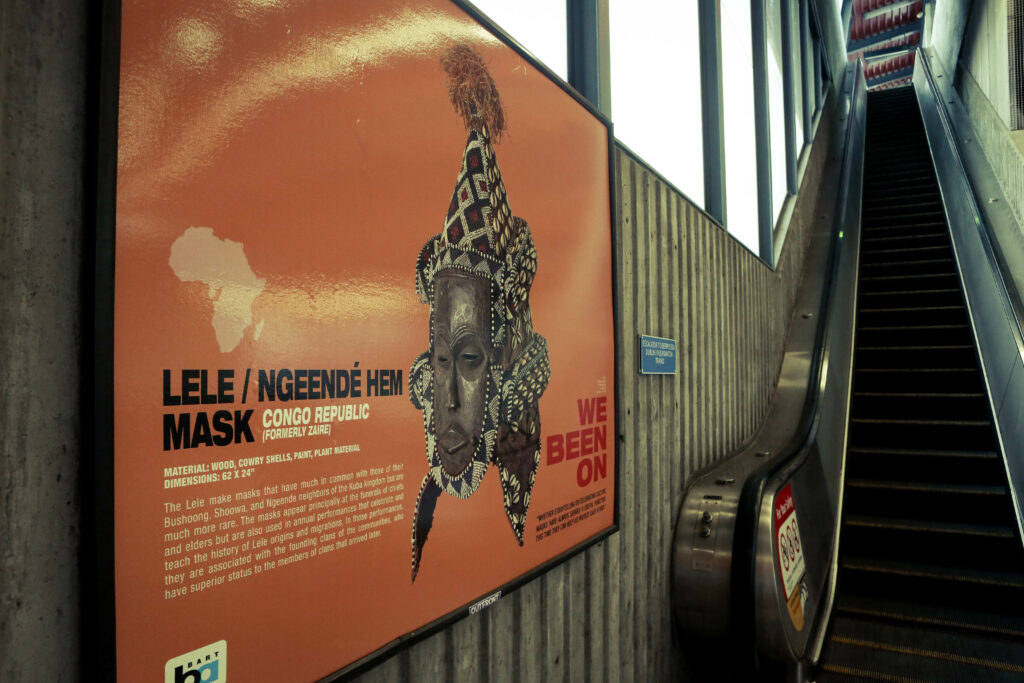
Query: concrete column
(43, 70)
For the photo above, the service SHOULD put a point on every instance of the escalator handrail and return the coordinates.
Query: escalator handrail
(799, 446)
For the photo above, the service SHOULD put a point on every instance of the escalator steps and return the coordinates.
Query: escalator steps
(931, 568)
(920, 651)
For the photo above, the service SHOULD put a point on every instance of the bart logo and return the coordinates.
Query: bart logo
(208, 664)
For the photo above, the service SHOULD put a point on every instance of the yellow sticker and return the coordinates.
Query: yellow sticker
(796, 610)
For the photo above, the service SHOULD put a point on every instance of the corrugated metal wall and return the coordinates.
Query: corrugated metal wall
(604, 614)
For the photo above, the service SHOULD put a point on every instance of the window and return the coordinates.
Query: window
(740, 142)
(538, 25)
(1015, 32)
(796, 39)
(776, 107)
(655, 80)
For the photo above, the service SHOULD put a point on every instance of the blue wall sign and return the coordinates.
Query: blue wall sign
(657, 355)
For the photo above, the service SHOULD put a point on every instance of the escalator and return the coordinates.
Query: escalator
(870, 530)
(930, 579)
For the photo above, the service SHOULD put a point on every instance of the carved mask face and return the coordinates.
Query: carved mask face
(460, 355)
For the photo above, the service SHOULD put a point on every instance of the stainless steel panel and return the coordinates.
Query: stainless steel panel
(996, 328)
(703, 552)
(815, 473)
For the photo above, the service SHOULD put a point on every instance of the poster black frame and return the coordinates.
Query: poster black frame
(99, 636)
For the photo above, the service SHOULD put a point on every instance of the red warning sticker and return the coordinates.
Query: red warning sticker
(787, 537)
(789, 549)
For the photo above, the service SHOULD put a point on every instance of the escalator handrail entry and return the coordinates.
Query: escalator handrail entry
(796, 452)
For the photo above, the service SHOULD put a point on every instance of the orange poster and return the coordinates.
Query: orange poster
(363, 331)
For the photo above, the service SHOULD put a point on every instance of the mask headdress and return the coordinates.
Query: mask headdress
(482, 238)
